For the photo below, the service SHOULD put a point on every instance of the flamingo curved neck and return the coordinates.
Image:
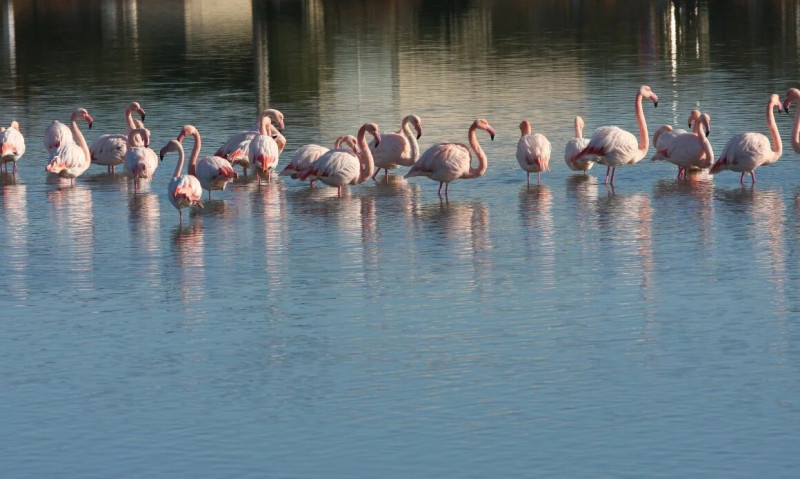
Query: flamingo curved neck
(195, 153)
(364, 156)
(777, 145)
(482, 161)
(179, 166)
(644, 142)
(578, 129)
(412, 140)
(129, 119)
(76, 132)
(796, 131)
(526, 129)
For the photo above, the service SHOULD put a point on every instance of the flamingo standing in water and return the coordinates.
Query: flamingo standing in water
(236, 149)
(182, 190)
(533, 152)
(70, 160)
(341, 167)
(397, 149)
(747, 151)
(689, 151)
(214, 172)
(574, 146)
(446, 162)
(615, 146)
(110, 150)
(12, 146)
(263, 151)
(793, 94)
(140, 160)
(306, 155)
(665, 135)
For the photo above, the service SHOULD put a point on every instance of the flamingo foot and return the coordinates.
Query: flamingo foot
(377, 170)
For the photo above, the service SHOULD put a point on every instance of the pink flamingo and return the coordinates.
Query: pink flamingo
(665, 135)
(12, 145)
(397, 149)
(533, 152)
(689, 151)
(306, 155)
(56, 135)
(793, 94)
(236, 149)
(110, 150)
(747, 151)
(182, 190)
(70, 160)
(615, 146)
(263, 151)
(574, 146)
(340, 167)
(214, 172)
(140, 161)
(446, 162)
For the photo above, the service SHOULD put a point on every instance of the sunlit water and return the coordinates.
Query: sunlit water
(561, 330)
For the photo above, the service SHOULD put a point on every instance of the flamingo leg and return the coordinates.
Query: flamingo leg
(613, 172)
(753, 176)
(440, 188)
(209, 195)
(269, 176)
(386, 175)
(339, 191)
(447, 190)
(180, 217)
(585, 173)
(742, 179)
(244, 171)
(680, 172)
(14, 169)
(538, 177)
(377, 170)
(529, 177)
(311, 184)
(608, 169)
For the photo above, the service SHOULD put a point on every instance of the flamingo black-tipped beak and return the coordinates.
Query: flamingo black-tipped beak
(161, 157)
(142, 116)
(418, 135)
(491, 135)
(655, 104)
(708, 132)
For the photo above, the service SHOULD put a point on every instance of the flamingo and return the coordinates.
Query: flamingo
(793, 94)
(182, 190)
(70, 160)
(747, 151)
(533, 152)
(57, 135)
(308, 154)
(140, 161)
(236, 149)
(12, 145)
(340, 167)
(615, 146)
(214, 172)
(110, 150)
(574, 146)
(445, 162)
(263, 151)
(689, 150)
(665, 135)
(397, 149)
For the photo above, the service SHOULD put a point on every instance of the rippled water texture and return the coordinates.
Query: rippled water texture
(561, 330)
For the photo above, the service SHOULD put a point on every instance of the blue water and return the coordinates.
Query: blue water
(561, 330)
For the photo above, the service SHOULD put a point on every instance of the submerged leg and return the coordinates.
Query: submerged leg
(608, 169)
(613, 172)
(377, 170)
(753, 176)
(440, 188)
(742, 178)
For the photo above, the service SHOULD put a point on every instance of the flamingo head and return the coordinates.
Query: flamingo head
(417, 125)
(646, 92)
(722, 163)
(525, 127)
(14, 125)
(775, 100)
(578, 124)
(275, 116)
(693, 117)
(793, 94)
(82, 113)
(372, 129)
(187, 130)
(135, 107)
(706, 119)
(482, 124)
(172, 145)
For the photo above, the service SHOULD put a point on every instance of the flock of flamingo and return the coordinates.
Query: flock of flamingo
(353, 160)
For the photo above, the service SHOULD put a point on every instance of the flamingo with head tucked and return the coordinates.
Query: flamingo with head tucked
(236, 149)
(306, 155)
(747, 151)
(140, 160)
(793, 95)
(533, 152)
(614, 146)
(182, 190)
(341, 167)
(263, 151)
(397, 149)
(70, 160)
(689, 151)
(109, 150)
(446, 162)
(664, 135)
(574, 146)
(213, 172)
(12, 146)
(56, 135)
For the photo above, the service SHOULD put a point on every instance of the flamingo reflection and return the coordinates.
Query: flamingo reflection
(536, 212)
(74, 223)
(189, 246)
(14, 201)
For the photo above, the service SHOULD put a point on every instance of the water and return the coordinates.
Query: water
(561, 330)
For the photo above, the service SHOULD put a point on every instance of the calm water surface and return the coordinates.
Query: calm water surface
(561, 330)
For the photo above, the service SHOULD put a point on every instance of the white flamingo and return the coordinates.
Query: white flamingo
(213, 172)
(140, 160)
(793, 95)
(263, 151)
(12, 146)
(574, 146)
(666, 133)
(397, 149)
(615, 146)
(747, 151)
(109, 150)
(70, 160)
(689, 151)
(57, 135)
(533, 152)
(236, 149)
(341, 167)
(446, 162)
(306, 155)
(182, 190)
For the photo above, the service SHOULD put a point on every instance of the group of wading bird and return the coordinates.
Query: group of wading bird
(352, 160)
